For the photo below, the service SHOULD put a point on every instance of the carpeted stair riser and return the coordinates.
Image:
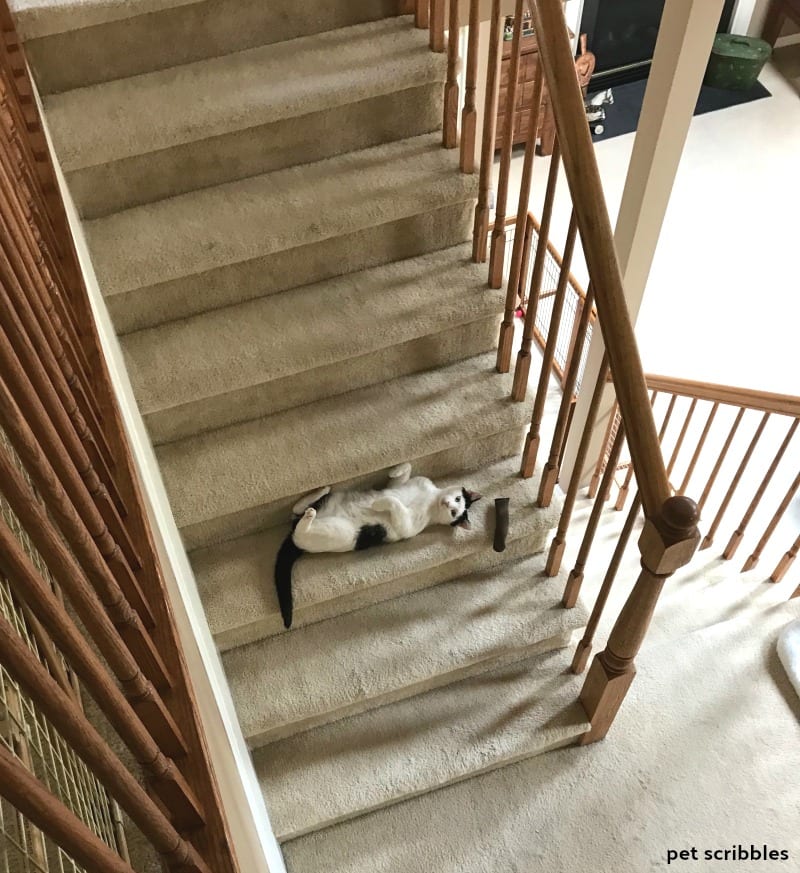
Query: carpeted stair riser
(240, 603)
(473, 455)
(86, 55)
(426, 353)
(422, 744)
(324, 672)
(106, 188)
(419, 234)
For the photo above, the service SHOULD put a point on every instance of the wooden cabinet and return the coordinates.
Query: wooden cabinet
(523, 107)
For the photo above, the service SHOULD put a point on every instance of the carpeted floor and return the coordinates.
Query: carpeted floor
(623, 115)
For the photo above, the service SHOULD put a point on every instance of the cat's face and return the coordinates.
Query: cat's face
(453, 506)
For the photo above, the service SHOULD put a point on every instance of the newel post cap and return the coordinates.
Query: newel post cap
(670, 541)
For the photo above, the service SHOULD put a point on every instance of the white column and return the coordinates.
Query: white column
(681, 55)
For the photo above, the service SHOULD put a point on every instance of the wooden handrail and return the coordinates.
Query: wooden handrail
(762, 401)
(583, 176)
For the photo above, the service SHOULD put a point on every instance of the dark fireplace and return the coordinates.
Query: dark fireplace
(622, 34)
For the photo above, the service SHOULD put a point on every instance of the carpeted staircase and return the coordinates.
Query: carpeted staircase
(282, 243)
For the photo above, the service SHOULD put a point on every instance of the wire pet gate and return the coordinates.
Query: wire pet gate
(34, 741)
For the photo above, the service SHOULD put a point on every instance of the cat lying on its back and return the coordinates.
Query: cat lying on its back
(348, 521)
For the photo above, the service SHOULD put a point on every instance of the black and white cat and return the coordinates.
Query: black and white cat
(347, 521)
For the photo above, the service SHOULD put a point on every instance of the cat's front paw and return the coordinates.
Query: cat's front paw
(310, 514)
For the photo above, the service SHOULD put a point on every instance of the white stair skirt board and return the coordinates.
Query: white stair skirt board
(789, 653)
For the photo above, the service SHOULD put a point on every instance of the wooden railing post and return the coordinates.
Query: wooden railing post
(666, 544)
(469, 114)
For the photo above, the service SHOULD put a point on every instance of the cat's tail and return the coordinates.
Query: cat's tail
(288, 554)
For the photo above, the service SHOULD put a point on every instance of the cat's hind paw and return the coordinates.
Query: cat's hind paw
(401, 471)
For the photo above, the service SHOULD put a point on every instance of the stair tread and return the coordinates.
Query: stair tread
(273, 337)
(255, 217)
(357, 765)
(145, 113)
(36, 19)
(248, 465)
(404, 646)
(235, 579)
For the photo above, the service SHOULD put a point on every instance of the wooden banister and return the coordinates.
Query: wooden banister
(580, 166)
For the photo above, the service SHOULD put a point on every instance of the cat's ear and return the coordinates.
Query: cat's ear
(470, 497)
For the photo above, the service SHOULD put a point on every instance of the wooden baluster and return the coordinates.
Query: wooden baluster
(437, 25)
(575, 579)
(709, 537)
(667, 543)
(584, 648)
(736, 537)
(550, 472)
(523, 366)
(531, 449)
(71, 503)
(513, 296)
(469, 114)
(701, 443)
(785, 562)
(43, 370)
(65, 569)
(527, 241)
(27, 794)
(139, 715)
(605, 447)
(422, 14)
(451, 93)
(67, 453)
(681, 436)
(480, 229)
(558, 545)
(765, 538)
(74, 727)
(47, 650)
(622, 496)
(720, 460)
(498, 240)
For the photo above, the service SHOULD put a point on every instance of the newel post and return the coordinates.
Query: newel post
(666, 544)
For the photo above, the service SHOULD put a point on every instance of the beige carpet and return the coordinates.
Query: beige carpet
(283, 245)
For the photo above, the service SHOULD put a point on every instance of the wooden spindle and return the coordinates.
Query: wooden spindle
(75, 728)
(47, 650)
(422, 14)
(469, 114)
(139, 715)
(681, 436)
(736, 537)
(720, 459)
(531, 449)
(584, 648)
(88, 499)
(523, 366)
(605, 447)
(437, 25)
(550, 472)
(518, 253)
(451, 93)
(556, 553)
(773, 523)
(65, 569)
(527, 242)
(27, 794)
(575, 579)
(480, 229)
(498, 248)
(622, 495)
(785, 562)
(667, 543)
(699, 448)
(709, 537)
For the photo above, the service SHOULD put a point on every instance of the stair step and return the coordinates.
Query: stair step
(235, 579)
(129, 141)
(384, 653)
(355, 766)
(245, 477)
(266, 355)
(234, 235)
(72, 45)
